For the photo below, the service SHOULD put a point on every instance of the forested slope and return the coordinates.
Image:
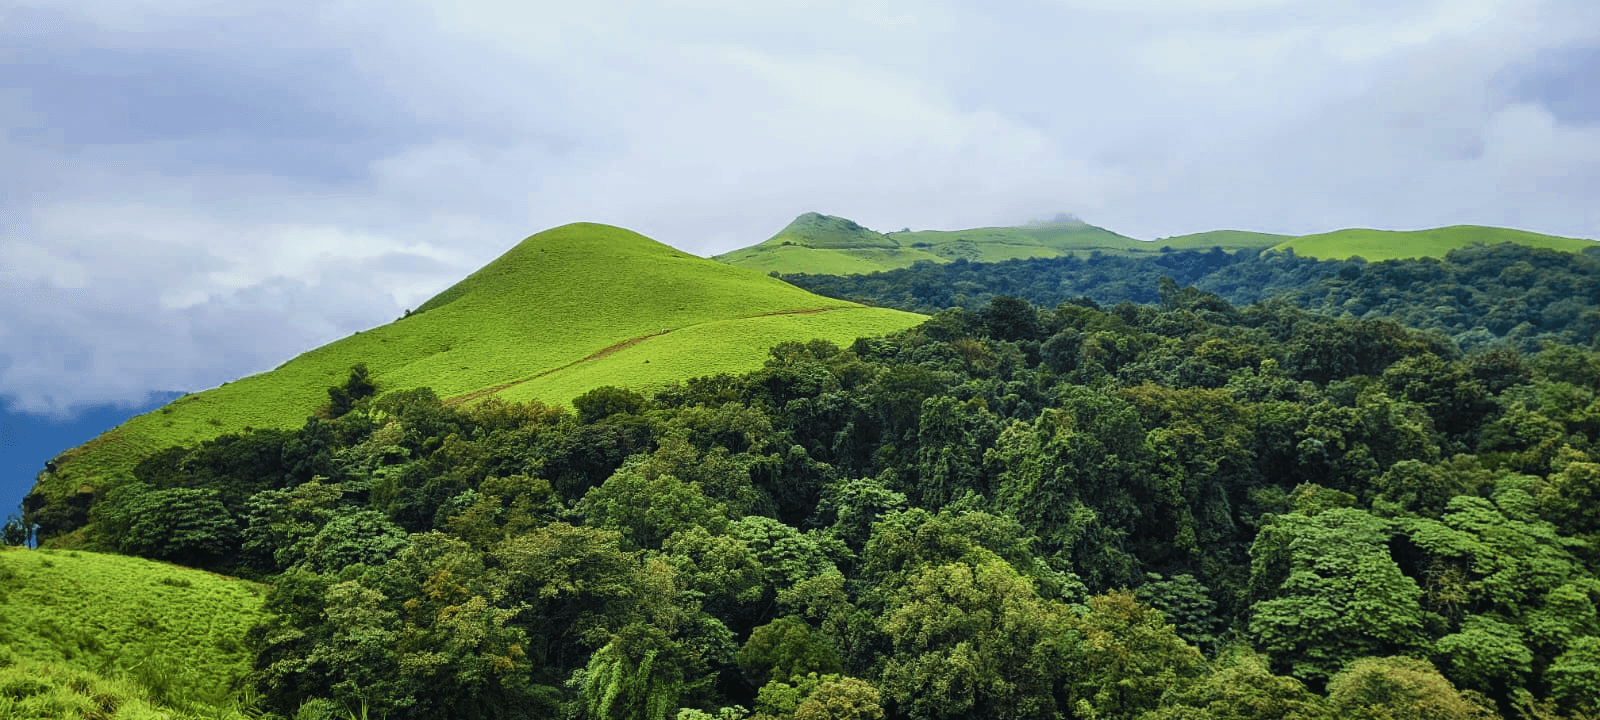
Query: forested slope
(1476, 295)
(1188, 509)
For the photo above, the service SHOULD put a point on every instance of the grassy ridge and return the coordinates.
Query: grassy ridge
(539, 310)
(816, 261)
(823, 244)
(1378, 245)
(1229, 240)
(844, 253)
(174, 632)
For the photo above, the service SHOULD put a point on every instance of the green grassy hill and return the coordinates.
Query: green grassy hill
(563, 312)
(1377, 245)
(825, 245)
(85, 634)
(822, 244)
(1229, 240)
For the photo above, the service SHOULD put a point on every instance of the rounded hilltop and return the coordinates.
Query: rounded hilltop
(556, 255)
(560, 313)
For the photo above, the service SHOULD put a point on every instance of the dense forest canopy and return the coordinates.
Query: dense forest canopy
(1476, 295)
(1185, 509)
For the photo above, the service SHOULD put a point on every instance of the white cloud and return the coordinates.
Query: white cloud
(303, 169)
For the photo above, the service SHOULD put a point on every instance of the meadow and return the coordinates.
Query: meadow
(1375, 245)
(86, 634)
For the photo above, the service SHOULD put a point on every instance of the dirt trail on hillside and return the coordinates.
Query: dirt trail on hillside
(806, 311)
(610, 350)
(616, 348)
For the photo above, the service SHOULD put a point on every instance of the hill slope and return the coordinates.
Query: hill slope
(566, 310)
(1378, 245)
(823, 244)
(174, 633)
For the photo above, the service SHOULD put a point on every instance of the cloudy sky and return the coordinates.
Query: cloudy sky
(195, 190)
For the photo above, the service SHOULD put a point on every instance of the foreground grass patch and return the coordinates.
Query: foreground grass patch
(177, 633)
(33, 690)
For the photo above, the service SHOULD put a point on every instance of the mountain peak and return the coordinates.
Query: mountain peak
(829, 232)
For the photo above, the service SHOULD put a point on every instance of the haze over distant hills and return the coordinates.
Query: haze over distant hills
(823, 244)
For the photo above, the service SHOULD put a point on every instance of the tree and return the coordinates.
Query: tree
(16, 533)
(819, 697)
(1239, 686)
(578, 584)
(1010, 318)
(1575, 676)
(1328, 592)
(647, 506)
(459, 651)
(359, 386)
(973, 639)
(1400, 688)
(785, 648)
(182, 525)
(603, 402)
(1131, 658)
(635, 676)
(1487, 653)
(356, 537)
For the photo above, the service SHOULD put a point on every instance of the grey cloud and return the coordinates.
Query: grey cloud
(203, 189)
(1565, 80)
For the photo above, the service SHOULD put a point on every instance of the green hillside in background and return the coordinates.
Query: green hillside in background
(1229, 240)
(1375, 245)
(824, 245)
(563, 312)
(86, 634)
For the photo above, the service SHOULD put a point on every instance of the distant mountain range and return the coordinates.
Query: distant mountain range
(824, 244)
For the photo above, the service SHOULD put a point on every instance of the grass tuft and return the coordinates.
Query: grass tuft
(94, 631)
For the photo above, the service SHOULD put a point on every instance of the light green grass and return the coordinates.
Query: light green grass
(838, 256)
(821, 244)
(1228, 240)
(555, 299)
(172, 631)
(731, 346)
(799, 259)
(1377, 245)
(33, 690)
(994, 244)
(827, 232)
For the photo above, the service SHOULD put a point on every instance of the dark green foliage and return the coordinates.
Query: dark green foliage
(182, 525)
(1329, 592)
(785, 648)
(604, 402)
(1009, 318)
(359, 386)
(1008, 512)
(1400, 688)
(1240, 687)
(15, 532)
(1474, 295)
